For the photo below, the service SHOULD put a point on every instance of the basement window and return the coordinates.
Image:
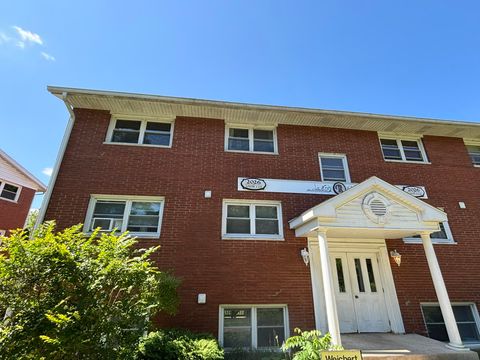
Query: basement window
(139, 215)
(9, 191)
(466, 316)
(404, 150)
(253, 326)
(251, 139)
(141, 132)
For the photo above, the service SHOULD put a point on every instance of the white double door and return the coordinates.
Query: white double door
(359, 292)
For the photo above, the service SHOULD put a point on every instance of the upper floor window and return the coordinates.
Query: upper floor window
(9, 191)
(444, 235)
(251, 139)
(403, 149)
(334, 167)
(244, 219)
(243, 326)
(474, 152)
(144, 132)
(139, 215)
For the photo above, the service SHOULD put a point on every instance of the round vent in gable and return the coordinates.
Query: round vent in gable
(376, 207)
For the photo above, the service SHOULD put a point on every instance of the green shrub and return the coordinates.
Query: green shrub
(307, 345)
(178, 344)
(241, 354)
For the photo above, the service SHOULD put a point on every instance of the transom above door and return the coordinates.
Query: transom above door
(359, 292)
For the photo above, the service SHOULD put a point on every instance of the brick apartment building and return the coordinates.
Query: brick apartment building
(17, 189)
(276, 217)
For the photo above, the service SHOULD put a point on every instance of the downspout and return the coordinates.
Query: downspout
(58, 162)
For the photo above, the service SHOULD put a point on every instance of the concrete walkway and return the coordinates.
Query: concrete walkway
(409, 346)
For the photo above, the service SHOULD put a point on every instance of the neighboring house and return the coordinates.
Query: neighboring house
(242, 197)
(17, 189)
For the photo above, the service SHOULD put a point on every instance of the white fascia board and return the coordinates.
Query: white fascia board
(40, 186)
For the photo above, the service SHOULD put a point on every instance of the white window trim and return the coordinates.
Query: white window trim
(254, 308)
(17, 195)
(471, 142)
(448, 240)
(473, 307)
(250, 129)
(398, 139)
(143, 126)
(129, 199)
(337, 156)
(251, 236)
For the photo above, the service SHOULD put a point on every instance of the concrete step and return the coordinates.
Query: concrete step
(403, 347)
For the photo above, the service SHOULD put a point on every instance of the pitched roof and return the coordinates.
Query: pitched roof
(10, 170)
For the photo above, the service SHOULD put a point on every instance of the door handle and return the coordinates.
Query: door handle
(356, 296)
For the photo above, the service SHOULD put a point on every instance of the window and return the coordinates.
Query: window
(2, 232)
(334, 167)
(474, 152)
(262, 326)
(261, 140)
(444, 235)
(403, 150)
(144, 132)
(252, 220)
(466, 316)
(138, 214)
(9, 191)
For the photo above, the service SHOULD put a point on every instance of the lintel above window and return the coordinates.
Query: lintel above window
(252, 220)
(9, 192)
(140, 131)
(140, 215)
(242, 138)
(402, 149)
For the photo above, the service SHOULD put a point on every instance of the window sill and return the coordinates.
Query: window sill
(12, 201)
(435, 242)
(408, 161)
(141, 145)
(135, 235)
(250, 238)
(477, 166)
(252, 152)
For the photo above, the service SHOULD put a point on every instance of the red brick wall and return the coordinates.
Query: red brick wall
(256, 272)
(14, 214)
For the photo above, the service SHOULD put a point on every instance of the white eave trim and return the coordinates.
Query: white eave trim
(40, 186)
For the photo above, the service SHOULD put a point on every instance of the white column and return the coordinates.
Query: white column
(328, 288)
(442, 295)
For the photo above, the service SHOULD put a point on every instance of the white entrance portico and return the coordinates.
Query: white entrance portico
(352, 282)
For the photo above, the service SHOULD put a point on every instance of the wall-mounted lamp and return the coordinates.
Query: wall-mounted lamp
(396, 257)
(305, 256)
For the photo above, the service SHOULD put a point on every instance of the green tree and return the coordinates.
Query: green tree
(71, 296)
(308, 345)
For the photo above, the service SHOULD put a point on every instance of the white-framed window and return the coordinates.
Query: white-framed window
(474, 153)
(466, 316)
(253, 326)
(243, 138)
(140, 131)
(140, 215)
(9, 191)
(403, 149)
(252, 219)
(443, 236)
(334, 167)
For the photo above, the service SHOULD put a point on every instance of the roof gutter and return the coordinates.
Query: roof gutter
(53, 178)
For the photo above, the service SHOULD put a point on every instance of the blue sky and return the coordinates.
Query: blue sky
(409, 57)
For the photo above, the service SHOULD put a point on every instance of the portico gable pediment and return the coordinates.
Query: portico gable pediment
(371, 205)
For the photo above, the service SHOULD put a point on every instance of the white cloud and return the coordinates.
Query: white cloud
(4, 38)
(28, 36)
(48, 171)
(47, 56)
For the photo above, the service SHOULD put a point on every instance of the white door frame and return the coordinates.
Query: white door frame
(354, 245)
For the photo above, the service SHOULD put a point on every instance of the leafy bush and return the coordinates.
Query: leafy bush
(178, 345)
(72, 296)
(307, 345)
(241, 354)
